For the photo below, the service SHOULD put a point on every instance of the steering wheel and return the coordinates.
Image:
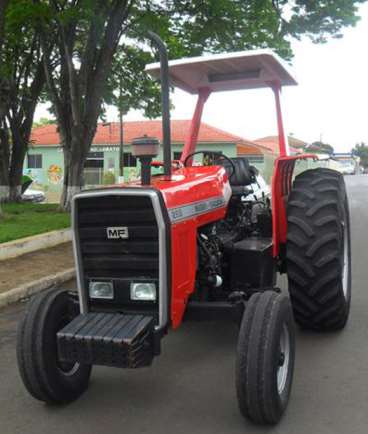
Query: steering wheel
(213, 153)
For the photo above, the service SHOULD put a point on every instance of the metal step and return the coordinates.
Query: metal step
(111, 339)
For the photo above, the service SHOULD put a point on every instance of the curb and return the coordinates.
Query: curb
(12, 249)
(39, 285)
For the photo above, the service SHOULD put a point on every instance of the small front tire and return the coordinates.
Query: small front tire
(265, 357)
(45, 377)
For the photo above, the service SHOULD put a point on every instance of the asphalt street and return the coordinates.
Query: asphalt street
(190, 387)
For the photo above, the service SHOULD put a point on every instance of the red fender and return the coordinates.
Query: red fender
(281, 186)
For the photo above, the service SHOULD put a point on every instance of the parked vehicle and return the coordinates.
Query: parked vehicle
(348, 167)
(31, 195)
(187, 244)
(35, 196)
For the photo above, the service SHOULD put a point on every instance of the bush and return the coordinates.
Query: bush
(109, 178)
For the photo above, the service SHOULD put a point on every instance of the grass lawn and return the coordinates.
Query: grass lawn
(25, 219)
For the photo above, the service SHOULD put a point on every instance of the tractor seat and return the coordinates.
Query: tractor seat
(244, 174)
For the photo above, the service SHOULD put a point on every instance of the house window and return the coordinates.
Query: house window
(177, 155)
(129, 160)
(35, 161)
(93, 168)
(94, 160)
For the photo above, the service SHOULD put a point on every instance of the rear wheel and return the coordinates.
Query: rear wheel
(265, 357)
(46, 377)
(318, 250)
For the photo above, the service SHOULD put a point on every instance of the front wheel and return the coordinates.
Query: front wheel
(46, 377)
(265, 357)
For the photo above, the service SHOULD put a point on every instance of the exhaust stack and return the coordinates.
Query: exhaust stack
(165, 101)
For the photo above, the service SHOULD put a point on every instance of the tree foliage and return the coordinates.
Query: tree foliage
(361, 151)
(86, 35)
(22, 81)
(43, 121)
(128, 86)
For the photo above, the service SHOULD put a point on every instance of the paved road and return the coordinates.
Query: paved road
(190, 388)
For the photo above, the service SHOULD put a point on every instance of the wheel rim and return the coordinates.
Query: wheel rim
(284, 359)
(66, 368)
(345, 266)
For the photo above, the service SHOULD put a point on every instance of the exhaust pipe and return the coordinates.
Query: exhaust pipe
(165, 101)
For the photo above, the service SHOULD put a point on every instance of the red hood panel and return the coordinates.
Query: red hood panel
(193, 184)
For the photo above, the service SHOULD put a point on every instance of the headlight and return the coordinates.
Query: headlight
(101, 290)
(143, 291)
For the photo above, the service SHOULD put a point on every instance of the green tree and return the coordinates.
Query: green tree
(3, 6)
(89, 33)
(22, 81)
(361, 151)
(128, 86)
(43, 121)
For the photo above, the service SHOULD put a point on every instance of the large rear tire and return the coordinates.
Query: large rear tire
(265, 357)
(45, 377)
(318, 252)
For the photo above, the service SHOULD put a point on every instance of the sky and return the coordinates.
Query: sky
(329, 104)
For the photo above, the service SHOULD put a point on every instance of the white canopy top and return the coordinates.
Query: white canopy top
(231, 71)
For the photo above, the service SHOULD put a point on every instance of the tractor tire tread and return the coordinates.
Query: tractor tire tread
(315, 239)
(256, 337)
(33, 354)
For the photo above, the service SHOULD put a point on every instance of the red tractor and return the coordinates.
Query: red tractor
(190, 244)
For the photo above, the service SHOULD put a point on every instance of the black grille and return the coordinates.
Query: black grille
(136, 256)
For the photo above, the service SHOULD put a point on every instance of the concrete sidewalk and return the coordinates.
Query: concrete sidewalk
(21, 276)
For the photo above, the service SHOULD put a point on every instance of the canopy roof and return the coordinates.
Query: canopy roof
(230, 71)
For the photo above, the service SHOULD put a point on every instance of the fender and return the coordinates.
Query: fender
(281, 186)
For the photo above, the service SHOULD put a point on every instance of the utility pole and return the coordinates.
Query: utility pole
(121, 147)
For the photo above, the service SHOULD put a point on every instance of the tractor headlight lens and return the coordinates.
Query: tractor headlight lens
(101, 290)
(143, 291)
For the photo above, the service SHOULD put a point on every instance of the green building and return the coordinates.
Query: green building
(44, 161)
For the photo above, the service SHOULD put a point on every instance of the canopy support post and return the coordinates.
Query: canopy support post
(283, 140)
(192, 138)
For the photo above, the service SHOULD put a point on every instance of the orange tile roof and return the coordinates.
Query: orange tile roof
(250, 148)
(272, 143)
(110, 133)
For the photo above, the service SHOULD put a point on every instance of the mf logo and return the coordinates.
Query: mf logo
(115, 233)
